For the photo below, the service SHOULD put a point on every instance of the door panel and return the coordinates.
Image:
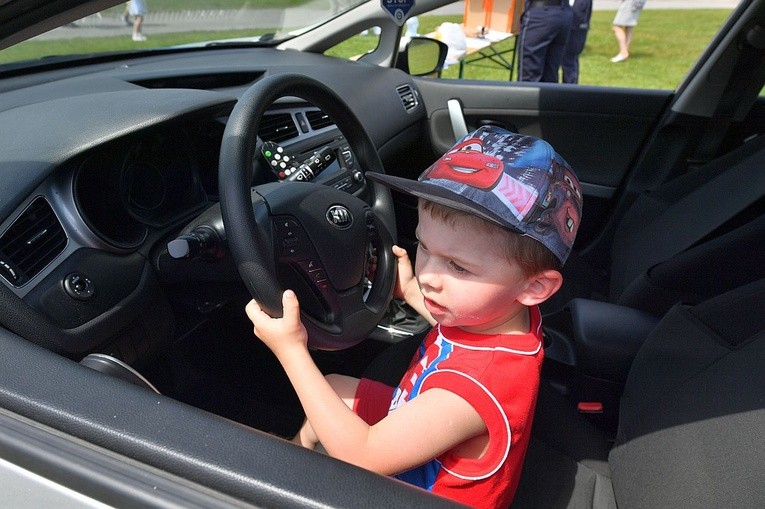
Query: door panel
(598, 130)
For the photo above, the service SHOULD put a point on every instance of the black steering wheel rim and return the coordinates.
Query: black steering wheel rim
(250, 216)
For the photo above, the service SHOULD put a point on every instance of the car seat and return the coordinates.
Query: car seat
(693, 237)
(692, 418)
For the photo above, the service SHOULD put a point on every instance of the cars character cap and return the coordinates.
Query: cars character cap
(512, 180)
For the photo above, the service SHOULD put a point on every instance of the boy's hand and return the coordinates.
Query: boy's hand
(407, 288)
(405, 275)
(279, 334)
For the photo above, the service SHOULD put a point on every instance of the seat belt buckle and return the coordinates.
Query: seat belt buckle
(590, 407)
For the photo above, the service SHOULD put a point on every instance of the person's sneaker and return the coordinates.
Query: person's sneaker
(139, 37)
(619, 58)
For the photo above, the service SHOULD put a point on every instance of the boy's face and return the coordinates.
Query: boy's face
(466, 278)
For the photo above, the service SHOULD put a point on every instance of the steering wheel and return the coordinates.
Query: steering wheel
(332, 248)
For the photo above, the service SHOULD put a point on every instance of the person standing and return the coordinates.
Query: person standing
(582, 11)
(545, 27)
(138, 10)
(624, 24)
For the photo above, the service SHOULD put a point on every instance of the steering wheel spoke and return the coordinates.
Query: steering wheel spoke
(309, 237)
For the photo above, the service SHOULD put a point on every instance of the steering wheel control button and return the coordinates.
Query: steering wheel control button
(290, 244)
(315, 272)
(286, 227)
(78, 286)
(318, 275)
(309, 264)
(369, 220)
(290, 238)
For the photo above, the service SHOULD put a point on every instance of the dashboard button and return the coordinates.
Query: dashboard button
(79, 286)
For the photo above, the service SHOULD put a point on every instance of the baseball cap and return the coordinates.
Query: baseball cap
(515, 181)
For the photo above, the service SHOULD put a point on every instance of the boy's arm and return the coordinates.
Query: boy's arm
(415, 433)
(407, 287)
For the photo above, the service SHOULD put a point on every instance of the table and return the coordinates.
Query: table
(483, 48)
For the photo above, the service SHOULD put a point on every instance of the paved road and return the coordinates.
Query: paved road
(164, 22)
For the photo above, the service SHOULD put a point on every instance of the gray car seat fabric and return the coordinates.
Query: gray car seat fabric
(703, 211)
(692, 418)
(691, 424)
(694, 222)
(704, 270)
(566, 464)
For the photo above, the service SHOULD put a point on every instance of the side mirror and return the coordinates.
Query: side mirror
(422, 56)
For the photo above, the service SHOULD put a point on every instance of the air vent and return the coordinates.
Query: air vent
(31, 243)
(318, 119)
(278, 127)
(408, 98)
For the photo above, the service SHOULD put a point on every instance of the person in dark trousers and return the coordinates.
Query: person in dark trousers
(545, 28)
(582, 10)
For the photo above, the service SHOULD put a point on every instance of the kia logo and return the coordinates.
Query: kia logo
(340, 217)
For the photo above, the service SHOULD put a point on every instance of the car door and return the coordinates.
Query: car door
(598, 130)
(621, 142)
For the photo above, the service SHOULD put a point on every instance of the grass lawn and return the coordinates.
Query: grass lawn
(666, 43)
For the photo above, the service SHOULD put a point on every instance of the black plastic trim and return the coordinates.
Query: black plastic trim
(246, 464)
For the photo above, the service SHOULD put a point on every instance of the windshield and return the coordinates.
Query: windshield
(151, 24)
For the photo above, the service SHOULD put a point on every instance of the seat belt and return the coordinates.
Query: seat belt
(702, 211)
(750, 63)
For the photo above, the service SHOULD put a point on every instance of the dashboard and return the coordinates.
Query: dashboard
(108, 164)
(159, 176)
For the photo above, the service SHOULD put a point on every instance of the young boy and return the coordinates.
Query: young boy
(497, 218)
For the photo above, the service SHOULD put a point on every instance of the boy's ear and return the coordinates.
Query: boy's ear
(541, 286)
